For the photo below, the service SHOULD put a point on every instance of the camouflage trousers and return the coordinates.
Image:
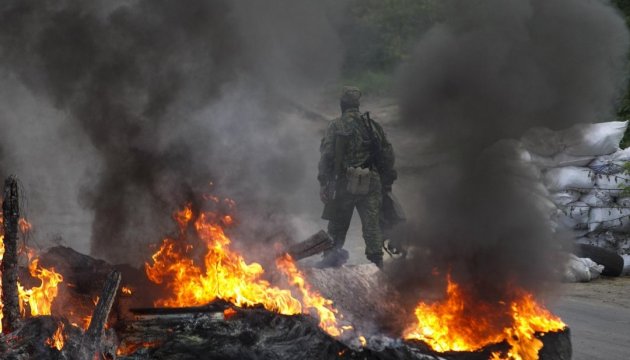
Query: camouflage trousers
(369, 207)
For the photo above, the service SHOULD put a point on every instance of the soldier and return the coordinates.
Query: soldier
(355, 170)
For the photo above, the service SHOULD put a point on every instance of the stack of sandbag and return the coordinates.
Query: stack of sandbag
(583, 170)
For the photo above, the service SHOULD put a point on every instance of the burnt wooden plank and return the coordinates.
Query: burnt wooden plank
(91, 342)
(11, 216)
(316, 244)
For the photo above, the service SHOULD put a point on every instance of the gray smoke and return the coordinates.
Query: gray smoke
(163, 98)
(490, 71)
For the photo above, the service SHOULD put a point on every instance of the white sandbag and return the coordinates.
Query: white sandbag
(569, 178)
(611, 164)
(614, 219)
(581, 269)
(595, 139)
(626, 265)
(560, 160)
(580, 140)
(614, 183)
(597, 198)
(623, 201)
(563, 198)
(575, 216)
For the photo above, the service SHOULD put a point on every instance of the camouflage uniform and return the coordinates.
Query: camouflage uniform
(357, 153)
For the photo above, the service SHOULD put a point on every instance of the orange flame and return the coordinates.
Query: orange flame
(310, 298)
(126, 290)
(58, 338)
(224, 274)
(459, 323)
(40, 298)
(129, 348)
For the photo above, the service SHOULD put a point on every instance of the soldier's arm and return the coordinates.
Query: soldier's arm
(387, 159)
(327, 158)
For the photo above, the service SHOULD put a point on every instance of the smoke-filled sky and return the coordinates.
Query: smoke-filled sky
(129, 108)
(490, 71)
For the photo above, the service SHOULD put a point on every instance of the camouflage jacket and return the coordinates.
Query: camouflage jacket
(358, 151)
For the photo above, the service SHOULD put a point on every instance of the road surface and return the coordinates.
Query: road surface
(598, 314)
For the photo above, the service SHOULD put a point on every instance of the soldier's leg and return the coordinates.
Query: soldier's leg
(337, 229)
(369, 208)
(338, 226)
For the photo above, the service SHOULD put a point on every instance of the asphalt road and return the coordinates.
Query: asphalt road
(598, 314)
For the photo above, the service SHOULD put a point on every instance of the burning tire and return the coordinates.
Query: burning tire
(613, 263)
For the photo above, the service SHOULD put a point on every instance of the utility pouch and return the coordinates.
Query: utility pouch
(358, 180)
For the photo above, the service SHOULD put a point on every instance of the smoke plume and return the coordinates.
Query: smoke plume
(491, 70)
(167, 97)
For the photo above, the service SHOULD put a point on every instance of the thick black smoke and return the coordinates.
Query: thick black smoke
(490, 71)
(171, 96)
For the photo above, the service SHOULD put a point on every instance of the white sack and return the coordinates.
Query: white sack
(614, 184)
(623, 201)
(611, 164)
(560, 160)
(626, 265)
(567, 178)
(581, 269)
(575, 215)
(595, 139)
(597, 198)
(563, 198)
(614, 219)
(580, 140)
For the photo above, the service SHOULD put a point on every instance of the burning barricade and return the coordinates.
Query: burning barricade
(197, 297)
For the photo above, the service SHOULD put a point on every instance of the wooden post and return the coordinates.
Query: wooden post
(91, 341)
(11, 216)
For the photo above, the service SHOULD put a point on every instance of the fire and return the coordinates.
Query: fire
(460, 323)
(129, 348)
(126, 290)
(310, 299)
(40, 298)
(224, 274)
(58, 338)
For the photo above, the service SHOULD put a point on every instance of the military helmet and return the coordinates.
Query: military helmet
(350, 96)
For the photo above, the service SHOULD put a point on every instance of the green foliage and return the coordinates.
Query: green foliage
(378, 35)
(623, 109)
(626, 171)
(371, 82)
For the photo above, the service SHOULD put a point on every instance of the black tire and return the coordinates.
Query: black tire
(613, 262)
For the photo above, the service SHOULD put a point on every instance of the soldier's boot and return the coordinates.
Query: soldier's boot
(333, 258)
(377, 260)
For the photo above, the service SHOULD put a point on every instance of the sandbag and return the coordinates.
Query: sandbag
(595, 139)
(569, 178)
(613, 184)
(597, 198)
(563, 198)
(611, 164)
(560, 160)
(580, 140)
(623, 201)
(575, 216)
(581, 269)
(613, 218)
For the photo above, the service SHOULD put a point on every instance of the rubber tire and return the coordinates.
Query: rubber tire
(613, 262)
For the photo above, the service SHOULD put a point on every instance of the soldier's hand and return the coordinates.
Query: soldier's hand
(323, 194)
